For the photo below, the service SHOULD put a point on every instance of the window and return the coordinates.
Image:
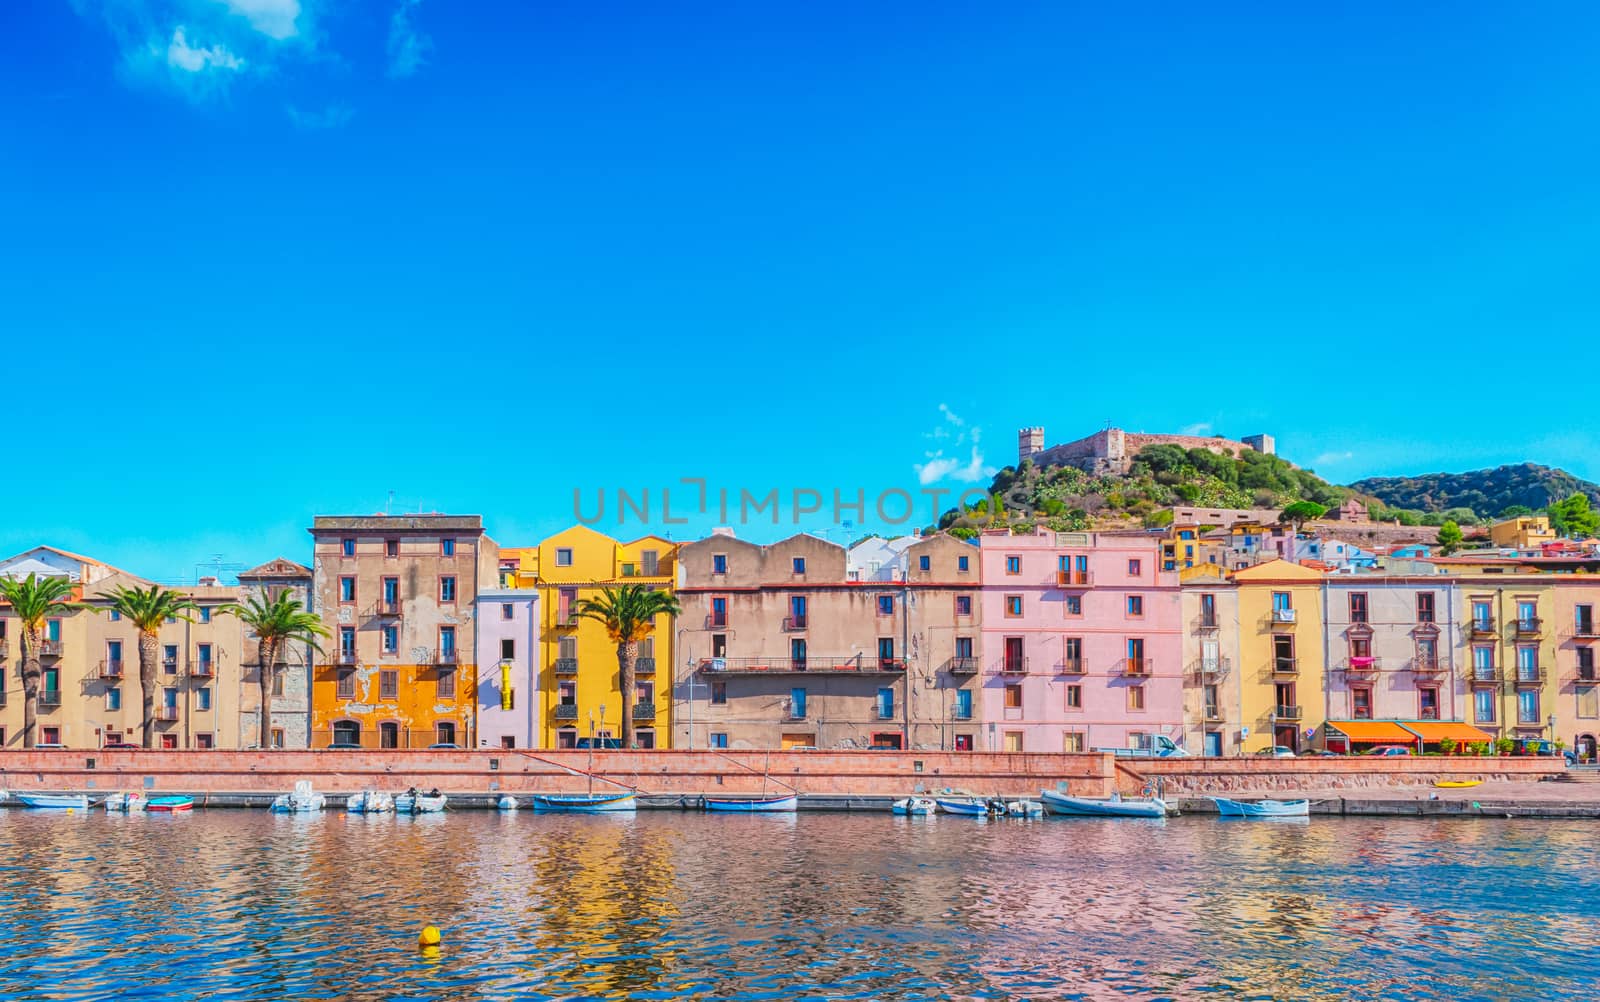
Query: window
(447, 547)
(719, 740)
(391, 547)
(1074, 697)
(963, 647)
(886, 652)
(567, 693)
(277, 683)
(1586, 664)
(567, 737)
(1072, 654)
(885, 704)
(169, 699)
(388, 684)
(203, 655)
(52, 735)
(1361, 647)
(1014, 696)
(205, 614)
(447, 588)
(506, 611)
(114, 698)
(1428, 703)
(116, 617)
(1135, 697)
(563, 556)
(347, 642)
(644, 692)
(797, 704)
(1136, 605)
(346, 686)
(1134, 567)
(963, 709)
(1583, 621)
(924, 563)
(508, 648)
(719, 693)
(52, 631)
(444, 732)
(1011, 741)
(1527, 616)
(1358, 607)
(1074, 605)
(447, 640)
(1528, 706)
(719, 565)
(1213, 705)
(963, 742)
(114, 653)
(1281, 602)
(799, 565)
(203, 699)
(1424, 606)
(391, 592)
(1361, 702)
(962, 563)
(886, 605)
(203, 741)
(1013, 565)
(1013, 605)
(719, 610)
(650, 563)
(391, 639)
(169, 659)
(447, 683)
(347, 547)
(963, 605)
(1482, 619)
(1588, 702)
(1072, 742)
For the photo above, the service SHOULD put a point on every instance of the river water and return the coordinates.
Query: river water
(247, 905)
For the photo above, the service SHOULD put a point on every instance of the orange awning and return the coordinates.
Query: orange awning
(1373, 731)
(1433, 731)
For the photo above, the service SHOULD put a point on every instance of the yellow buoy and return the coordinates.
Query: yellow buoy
(429, 938)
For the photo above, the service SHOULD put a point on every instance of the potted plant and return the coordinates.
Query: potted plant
(1447, 747)
(1503, 746)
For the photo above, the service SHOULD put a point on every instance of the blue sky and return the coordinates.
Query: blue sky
(269, 258)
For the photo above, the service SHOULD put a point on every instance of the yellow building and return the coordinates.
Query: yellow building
(1512, 637)
(1526, 533)
(578, 685)
(1281, 662)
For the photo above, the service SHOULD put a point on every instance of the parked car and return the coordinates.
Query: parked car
(1388, 751)
(445, 746)
(1160, 746)
(1277, 751)
(121, 746)
(344, 746)
(801, 748)
(600, 743)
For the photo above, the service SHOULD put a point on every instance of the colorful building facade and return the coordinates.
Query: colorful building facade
(508, 650)
(1212, 712)
(1281, 661)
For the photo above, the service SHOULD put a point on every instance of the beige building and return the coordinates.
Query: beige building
(788, 645)
(1212, 713)
(1527, 533)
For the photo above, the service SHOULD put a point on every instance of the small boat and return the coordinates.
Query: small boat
(170, 805)
(1262, 808)
(1457, 784)
(55, 801)
(744, 806)
(507, 803)
(584, 803)
(972, 807)
(915, 806)
(1114, 806)
(125, 803)
(412, 802)
(1024, 809)
(302, 801)
(370, 802)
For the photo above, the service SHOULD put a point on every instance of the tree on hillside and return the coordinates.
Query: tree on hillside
(1449, 538)
(1516, 511)
(1302, 512)
(1574, 517)
(628, 613)
(33, 600)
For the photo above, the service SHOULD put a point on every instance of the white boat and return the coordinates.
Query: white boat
(4, 796)
(915, 806)
(745, 805)
(125, 803)
(302, 801)
(507, 803)
(1262, 808)
(1024, 809)
(972, 807)
(583, 803)
(412, 802)
(55, 801)
(370, 802)
(1115, 806)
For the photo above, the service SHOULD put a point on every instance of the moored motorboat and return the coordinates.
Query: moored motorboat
(125, 803)
(370, 802)
(971, 807)
(1115, 806)
(761, 805)
(303, 800)
(412, 802)
(169, 805)
(1262, 808)
(55, 801)
(583, 803)
(1024, 809)
(915, 806)
(507, 803)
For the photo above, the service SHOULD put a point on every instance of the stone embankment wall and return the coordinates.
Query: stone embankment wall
(1262, 775)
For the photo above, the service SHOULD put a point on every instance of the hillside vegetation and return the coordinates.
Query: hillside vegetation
(1502, 492)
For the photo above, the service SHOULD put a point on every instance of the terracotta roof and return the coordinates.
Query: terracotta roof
(282, 567)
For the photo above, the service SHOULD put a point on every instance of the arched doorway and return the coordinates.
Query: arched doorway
(1585, 748)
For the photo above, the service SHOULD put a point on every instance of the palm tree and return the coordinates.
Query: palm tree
(629, 613)
(33, 600)
(147, 609)
(276, 621)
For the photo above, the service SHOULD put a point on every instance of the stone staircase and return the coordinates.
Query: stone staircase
(1581, 774)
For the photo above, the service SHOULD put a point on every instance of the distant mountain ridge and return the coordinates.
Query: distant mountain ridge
(1486, 492)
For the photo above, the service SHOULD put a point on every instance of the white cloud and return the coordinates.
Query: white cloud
(273, 18)
(1331, 459)
(331, 117)
(408, 48)
(1198, 430)
(939, 467)
(181, 55)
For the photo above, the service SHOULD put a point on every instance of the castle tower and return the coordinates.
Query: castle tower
(1030, 442)
(1261, 443)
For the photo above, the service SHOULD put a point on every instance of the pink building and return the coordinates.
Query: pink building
(1082, 642)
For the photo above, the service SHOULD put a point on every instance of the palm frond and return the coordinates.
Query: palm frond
(628, 611)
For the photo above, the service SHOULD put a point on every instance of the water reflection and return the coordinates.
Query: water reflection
(246, 905)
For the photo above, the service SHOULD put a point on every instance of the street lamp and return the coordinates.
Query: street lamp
(1552, 723)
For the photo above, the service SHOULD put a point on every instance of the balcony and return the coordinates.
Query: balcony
(962, 666)
(49, 648)
(49, 699)
(810, 666)
(794, 624)
(1213, 714)
(1285, 666)
(203, 669)
(111, 668)
(166, 714)
(1427, 664)
(1426, 627)
(717, 622)
(4, 650)
(645, 666)
(566, 666)
(1073, 579)
(449, 657)
(1586, 629)
(1011, 666)
(1585, 673)
(1286, 712)
(1362, 667)
(1481, 627)
(1283, 617)
(1528, 627)
(1529, 675)
(345, 658)
(386, 607)
(644, 711)
(957, 713)
(566, 620)
(1070, 666)
(169, 666)
(1212, 667)
(1481, 675)
(1207, 624)
(1135, 668)
(565, 711)
(883, 666)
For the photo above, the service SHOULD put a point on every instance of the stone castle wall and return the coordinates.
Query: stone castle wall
(1112, 450)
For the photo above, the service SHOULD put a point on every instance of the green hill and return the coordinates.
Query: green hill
(1518, 489)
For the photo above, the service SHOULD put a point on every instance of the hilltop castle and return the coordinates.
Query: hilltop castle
(1112, 450)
